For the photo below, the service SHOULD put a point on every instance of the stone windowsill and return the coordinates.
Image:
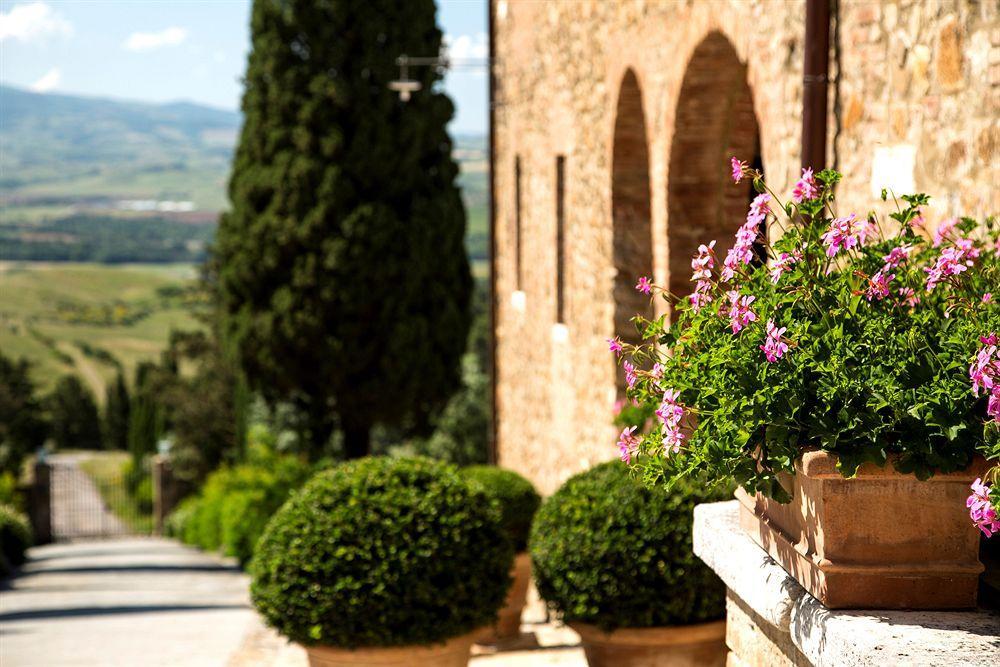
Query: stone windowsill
(842, 637)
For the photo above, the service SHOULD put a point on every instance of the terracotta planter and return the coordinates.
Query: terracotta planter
(508, 625)
(452, 653)
(700, 645)
(881, 540)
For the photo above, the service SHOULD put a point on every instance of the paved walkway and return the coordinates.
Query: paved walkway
(150, 602)
(143, 602)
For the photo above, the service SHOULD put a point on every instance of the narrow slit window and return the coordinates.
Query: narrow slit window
(560, 239)
(517, 223)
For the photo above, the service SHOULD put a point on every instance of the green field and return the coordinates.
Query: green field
(42, 305)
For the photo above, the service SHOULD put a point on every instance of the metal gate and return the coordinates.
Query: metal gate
(80, 508)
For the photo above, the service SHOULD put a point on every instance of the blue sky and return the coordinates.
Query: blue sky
(167, 50)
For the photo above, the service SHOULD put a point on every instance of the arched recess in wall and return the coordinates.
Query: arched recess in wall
(715, 119)
(630, 209)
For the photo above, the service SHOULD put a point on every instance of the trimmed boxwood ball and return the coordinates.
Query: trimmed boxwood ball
(382, 552)
(608, 551)
(517, 498)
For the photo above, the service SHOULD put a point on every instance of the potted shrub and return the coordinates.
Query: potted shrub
(518, 503)
(614, 558)
(383, 561)
(850, 384)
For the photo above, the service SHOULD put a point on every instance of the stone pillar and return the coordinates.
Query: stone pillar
(40, 503)
(164, 491)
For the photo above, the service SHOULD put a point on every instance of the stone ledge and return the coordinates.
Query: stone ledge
(839, 637)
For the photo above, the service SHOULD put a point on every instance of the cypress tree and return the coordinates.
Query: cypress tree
(145, 415)
(73, 415)
(116, 414)
(343, 277)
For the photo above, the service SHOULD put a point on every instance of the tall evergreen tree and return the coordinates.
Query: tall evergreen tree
(22, 426)
(342, 270)
(73, 415)
(116, 414)
(145, 424)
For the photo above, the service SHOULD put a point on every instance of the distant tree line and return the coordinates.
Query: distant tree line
(106, 239)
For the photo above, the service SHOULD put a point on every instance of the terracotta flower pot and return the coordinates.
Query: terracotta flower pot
(452, 653)
(880, 540)
(508, 625)
(700, 645)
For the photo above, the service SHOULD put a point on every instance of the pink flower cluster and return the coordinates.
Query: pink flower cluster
(615, 345)
(740, 314)
(981, 510)
(630, 374)
(746, 236)
(670, 414)
(644, 285)
(738, 169)
(628, 444)
(848, 232)
(805, 188)
(944, 230)
(783, 264)
(878, 285)
(702, 266)
(952, 261)
(985, 374)
(774, 344)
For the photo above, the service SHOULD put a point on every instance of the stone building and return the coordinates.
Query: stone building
(613, 123)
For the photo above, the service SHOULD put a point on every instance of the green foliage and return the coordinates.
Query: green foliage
(22, 426)
(382, 552)
(10, 494)
(73, 415)
(117, 407)
(15, 538)
(517, 498)
(234, 505)
(343, 275)
(608, 551)
(146, 418)
(868, 377)
(204, 409)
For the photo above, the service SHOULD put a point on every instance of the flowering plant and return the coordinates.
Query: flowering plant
(818, 329)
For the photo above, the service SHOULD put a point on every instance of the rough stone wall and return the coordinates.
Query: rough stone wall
(920, 78)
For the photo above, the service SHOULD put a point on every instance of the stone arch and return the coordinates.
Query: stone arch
(630, 208)
(715, 119)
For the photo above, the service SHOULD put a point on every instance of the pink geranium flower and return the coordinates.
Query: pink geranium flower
(774, 344)
(878, 285)
(897, 255)
(615, 345)
(628, 444)
(944, 230)
(805, 188)
(981, 509)
(737, 169)
(630, 375)
(643, 285)
(848, 232)
(783, 264)
(703, 263)
(908, 296)
(740, 314)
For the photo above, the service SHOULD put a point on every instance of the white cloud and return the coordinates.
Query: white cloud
(33, 20)
(48, 81)
(466, 46)
(147, 41)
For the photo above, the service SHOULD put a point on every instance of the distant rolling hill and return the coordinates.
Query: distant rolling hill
(93, 179)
